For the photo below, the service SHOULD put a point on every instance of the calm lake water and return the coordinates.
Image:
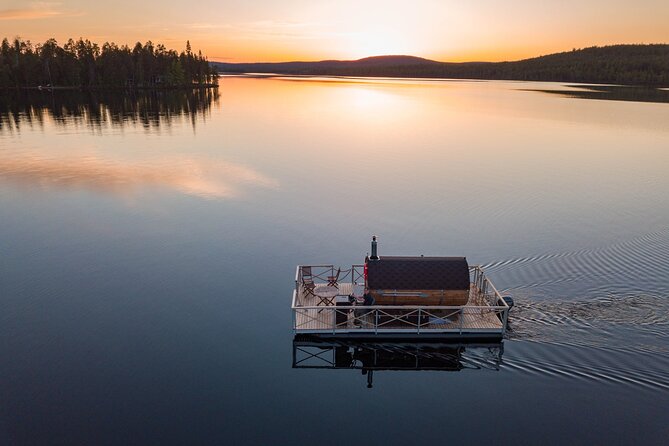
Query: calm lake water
(149, 248)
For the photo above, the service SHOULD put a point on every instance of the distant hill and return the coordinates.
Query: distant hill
(616, 64)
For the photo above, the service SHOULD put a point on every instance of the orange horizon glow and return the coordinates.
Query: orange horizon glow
(266, 31)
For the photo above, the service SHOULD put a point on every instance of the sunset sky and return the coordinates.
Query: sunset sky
(267, 30)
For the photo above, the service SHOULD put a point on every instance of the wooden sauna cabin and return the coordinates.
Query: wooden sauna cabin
(418, 280)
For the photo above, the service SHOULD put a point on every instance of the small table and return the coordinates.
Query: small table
(326, 294)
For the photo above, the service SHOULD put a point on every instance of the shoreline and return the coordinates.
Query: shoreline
(261, 75)
(103, 88)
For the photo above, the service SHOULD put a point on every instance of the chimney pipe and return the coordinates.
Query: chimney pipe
(374, 255)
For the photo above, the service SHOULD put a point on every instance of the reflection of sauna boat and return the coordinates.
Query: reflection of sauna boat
(398, 296)
(314, 352)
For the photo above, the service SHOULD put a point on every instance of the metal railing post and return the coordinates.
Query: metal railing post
(462, 316)
(418, 320)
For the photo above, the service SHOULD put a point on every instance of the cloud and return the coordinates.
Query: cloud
(203, 26)
(269, 29)
(26, 14)
(214, 180)
(36, 10)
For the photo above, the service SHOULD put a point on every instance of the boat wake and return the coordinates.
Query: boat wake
(595, 314)
(587, 364)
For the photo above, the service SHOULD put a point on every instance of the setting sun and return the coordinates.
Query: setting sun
(375, 43)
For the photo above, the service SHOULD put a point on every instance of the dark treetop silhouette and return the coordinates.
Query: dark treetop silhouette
(84, 64)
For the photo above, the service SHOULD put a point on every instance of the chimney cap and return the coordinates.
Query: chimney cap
(374, 255)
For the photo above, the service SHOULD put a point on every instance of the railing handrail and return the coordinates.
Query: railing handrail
(398, 307)
(384, 321)
(497, 293)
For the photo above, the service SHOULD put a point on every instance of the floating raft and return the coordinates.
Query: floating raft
(330, 309)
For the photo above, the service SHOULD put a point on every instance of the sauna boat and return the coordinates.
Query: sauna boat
(398, 297)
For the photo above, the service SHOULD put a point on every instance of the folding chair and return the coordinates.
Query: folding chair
(332, 280)
(308, 284)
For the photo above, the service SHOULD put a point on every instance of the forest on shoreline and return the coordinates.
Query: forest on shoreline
(615, 64)
(84, 64)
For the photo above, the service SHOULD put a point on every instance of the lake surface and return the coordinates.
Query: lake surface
(149, 247)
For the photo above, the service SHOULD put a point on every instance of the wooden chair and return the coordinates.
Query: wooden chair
(332, 280)
(308, 284)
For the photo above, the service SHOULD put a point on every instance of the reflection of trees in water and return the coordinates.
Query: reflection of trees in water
(151, 109)
(613, 93)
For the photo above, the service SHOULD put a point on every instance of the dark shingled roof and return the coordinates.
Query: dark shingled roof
(418, 273)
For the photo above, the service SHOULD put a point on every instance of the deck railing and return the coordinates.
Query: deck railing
(484, 302)
(320, 274)
(397, 319)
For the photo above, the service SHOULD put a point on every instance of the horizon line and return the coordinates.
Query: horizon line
(441, 61)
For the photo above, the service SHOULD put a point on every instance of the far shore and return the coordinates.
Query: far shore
(101, 88)
(639, 65)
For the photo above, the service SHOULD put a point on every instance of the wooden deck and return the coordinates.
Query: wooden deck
(474, 319)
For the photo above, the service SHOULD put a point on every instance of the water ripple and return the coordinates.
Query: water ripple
(636, 266)
(596, 314)
(592, 372)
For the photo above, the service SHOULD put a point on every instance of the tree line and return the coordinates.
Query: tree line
(618, 64)
(85, 64)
